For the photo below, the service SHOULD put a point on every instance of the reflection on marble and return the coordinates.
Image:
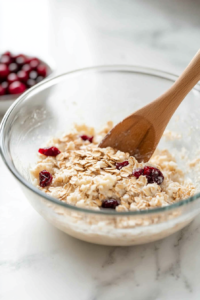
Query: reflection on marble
(36, 260)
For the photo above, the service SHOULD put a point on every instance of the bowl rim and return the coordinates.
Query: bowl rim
(104, 68)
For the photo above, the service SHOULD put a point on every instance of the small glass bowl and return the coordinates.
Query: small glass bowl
(94, 96)
(7, 100)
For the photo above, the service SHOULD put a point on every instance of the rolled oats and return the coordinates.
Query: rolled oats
(85, 175)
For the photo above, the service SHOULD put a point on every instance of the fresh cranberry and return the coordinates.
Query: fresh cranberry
(30, 82)
(8, 53)
(33, 75)
(5, 85)
(29, 59)
(110, 203)
(52, 151)
(27, 68)
(153, 175)
(13, 68)
(119, 166)
(2, 90)
(20, 60)
(39, 78)
(87, 138)
(34, 62)
(16, 87)
(42, 70)
(15, 56)
(45, 178)
(22, 75)
(12, 77)
(3, 71)
(138, 172)
(5, 59)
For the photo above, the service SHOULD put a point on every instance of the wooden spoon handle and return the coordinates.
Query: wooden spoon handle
(162, 109)
(185, 82)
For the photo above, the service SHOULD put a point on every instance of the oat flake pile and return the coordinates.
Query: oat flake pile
(74, 170)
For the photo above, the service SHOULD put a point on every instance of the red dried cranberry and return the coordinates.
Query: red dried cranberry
(42, 70)
(52, 151)
(39, 79)
(5, 59)
(27, 68)
(12, 77)
(3, 71)
(16, 87)
(33, 75)
(22, 75)
(87, 138)
(153, 175)
(30, 82)
(45, 178)
(119, 166)
(138, 172)
(13, 68)
(110, 203)
(34, 62)
(2, 90)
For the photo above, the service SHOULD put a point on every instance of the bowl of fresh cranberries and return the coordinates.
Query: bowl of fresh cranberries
(49, 141)
(19, 72)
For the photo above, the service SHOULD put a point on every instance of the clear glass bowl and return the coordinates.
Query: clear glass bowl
(94, 96)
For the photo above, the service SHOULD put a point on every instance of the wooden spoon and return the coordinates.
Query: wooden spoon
(140, 133)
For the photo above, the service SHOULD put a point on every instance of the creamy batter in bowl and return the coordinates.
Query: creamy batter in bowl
(94, 96)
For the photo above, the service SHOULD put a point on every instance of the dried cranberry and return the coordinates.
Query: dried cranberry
(22, 75)
(3, 71)
(138, 172)
(45, 178)
(110, 203)
(2, 90)
(12, 77)
(153, 175)
(119, 166)
(13, 68)
(52, 151)
(33, 75)
(16, 87)
(87, 138)
(42, 70)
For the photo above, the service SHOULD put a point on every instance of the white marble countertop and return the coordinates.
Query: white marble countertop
(38, 261)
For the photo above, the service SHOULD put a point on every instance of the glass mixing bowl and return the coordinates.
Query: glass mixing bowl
(95, 96)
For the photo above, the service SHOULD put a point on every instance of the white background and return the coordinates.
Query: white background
(36, 260)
